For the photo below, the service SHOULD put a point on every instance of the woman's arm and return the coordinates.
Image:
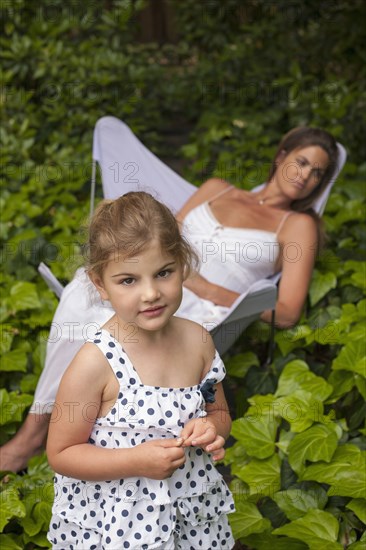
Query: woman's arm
(76, 408)
(217, 294)
(299, 243)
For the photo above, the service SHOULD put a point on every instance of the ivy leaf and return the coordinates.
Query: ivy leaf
(11, 506)
(358, 277)
(38, 517)
(290, 339)
(9, 542)
(352, 357)
(342, 382)
(7, 333)
(264, 541)
(321, 284)
(361, 385)
(345, 472)
(317, 443)
(23, 295)
(240, 364)
(13, 406)
(257, 434)
(317, 528)
(297, 375)
(296, 502)
(358, 506)
(15, 360)
(262, 476)
(247, 520)
(301, 410)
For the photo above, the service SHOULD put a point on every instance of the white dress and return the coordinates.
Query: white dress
(187, 510)
(231, 257)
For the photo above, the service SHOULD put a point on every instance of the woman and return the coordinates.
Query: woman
(221, 222)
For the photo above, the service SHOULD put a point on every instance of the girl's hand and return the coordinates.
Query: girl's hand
(158, 459)
(201, 432)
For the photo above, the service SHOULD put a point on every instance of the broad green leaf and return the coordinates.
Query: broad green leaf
(262, 476)
(297, 375)
(342, 382)
(37, 518)
(317, 528)
(9, 542)
(352, 357)
(290, 339)
(355, 487)
(284, 440)
(261, 405)
(358, 276)
(361, 385)
(300, 410)
(321, 284)
(11, 506)
(358, 506)
(345, 472)
(266, 541)
(235, 453)
(317, 443)
(15, 360)
(13, 406)
(247, 519)
(239, 365)
(296, 502)
(23, 296)
(7, 333)
(257, 435)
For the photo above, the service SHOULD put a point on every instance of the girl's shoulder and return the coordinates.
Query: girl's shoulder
(194, 335)
(89, 361)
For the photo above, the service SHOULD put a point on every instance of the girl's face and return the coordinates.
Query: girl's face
(145, 290)
(300, 171)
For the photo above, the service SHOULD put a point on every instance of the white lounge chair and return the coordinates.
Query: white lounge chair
(127, 165)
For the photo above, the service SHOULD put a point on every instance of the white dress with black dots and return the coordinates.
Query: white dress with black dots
(186, 511)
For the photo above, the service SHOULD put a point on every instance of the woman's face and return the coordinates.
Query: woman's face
(300, 171)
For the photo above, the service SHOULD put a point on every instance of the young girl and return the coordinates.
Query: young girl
(140, 413)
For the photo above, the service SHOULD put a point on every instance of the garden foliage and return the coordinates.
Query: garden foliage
(240, 74)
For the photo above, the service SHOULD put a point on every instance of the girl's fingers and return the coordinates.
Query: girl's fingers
(207, 437)
(215, 445)
(219, 455)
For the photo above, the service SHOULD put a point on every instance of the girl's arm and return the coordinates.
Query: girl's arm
(299, 240)
(76, 408)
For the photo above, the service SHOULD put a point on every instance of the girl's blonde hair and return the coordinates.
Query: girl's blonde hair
(126, 226)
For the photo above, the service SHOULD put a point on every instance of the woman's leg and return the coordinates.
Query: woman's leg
(28, 441)
(77, 318)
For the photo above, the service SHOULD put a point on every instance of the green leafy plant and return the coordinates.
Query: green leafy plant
(228, 88)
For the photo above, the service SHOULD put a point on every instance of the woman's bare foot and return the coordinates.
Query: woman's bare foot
(29, 441)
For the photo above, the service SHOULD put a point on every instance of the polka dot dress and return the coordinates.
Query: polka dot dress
(186, 511)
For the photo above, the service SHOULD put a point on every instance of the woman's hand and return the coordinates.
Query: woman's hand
(158, 459)
(217, 294)
(201, 432)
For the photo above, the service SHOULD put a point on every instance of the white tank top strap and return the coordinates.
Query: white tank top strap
(282, 222)
(222, 192)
